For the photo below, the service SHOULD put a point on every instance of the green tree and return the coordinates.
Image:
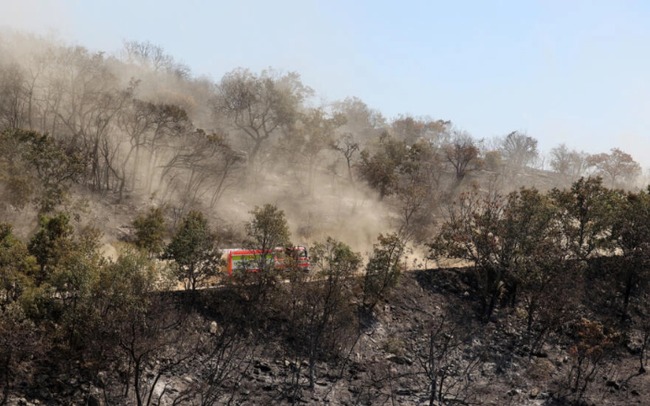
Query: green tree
(126, 282)
(17, 266)
(410, 176)
(54, 165)
(383, 269)
(381, 170)
(35, 166)
(54, 231)
(267, 230)
(471, 232)
(535, 260)
(194, 250)
(631, 234)
(72, 277)
(68, 267)
(267, 233)
(586, 213)
(21, 346)
(506, 240)
(150, 231)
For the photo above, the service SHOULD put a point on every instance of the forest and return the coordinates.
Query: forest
(123, 177)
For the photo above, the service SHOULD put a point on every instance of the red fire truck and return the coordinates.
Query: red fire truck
(252, 260)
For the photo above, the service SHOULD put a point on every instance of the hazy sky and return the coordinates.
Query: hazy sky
(565, 71)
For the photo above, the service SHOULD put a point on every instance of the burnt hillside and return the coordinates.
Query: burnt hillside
(425, 335)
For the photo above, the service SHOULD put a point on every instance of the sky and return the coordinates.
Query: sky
(563, 71)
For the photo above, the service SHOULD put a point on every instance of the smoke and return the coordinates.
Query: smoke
(181, 168)
(348, 212)
(43, 17)
(317, 197)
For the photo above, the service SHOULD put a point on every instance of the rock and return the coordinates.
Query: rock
(635, 344)
(95, 400)
(404, 392)
(263, 367)
(101, 379)
(533, 393)
(514, 392)
(401, 360)
(488, 369)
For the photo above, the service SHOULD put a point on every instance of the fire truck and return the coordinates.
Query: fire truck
(253, 260)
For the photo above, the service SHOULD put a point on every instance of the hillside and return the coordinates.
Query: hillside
(122, 179)
(388, 359)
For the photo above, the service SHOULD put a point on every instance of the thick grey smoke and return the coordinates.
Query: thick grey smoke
(169, 164)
